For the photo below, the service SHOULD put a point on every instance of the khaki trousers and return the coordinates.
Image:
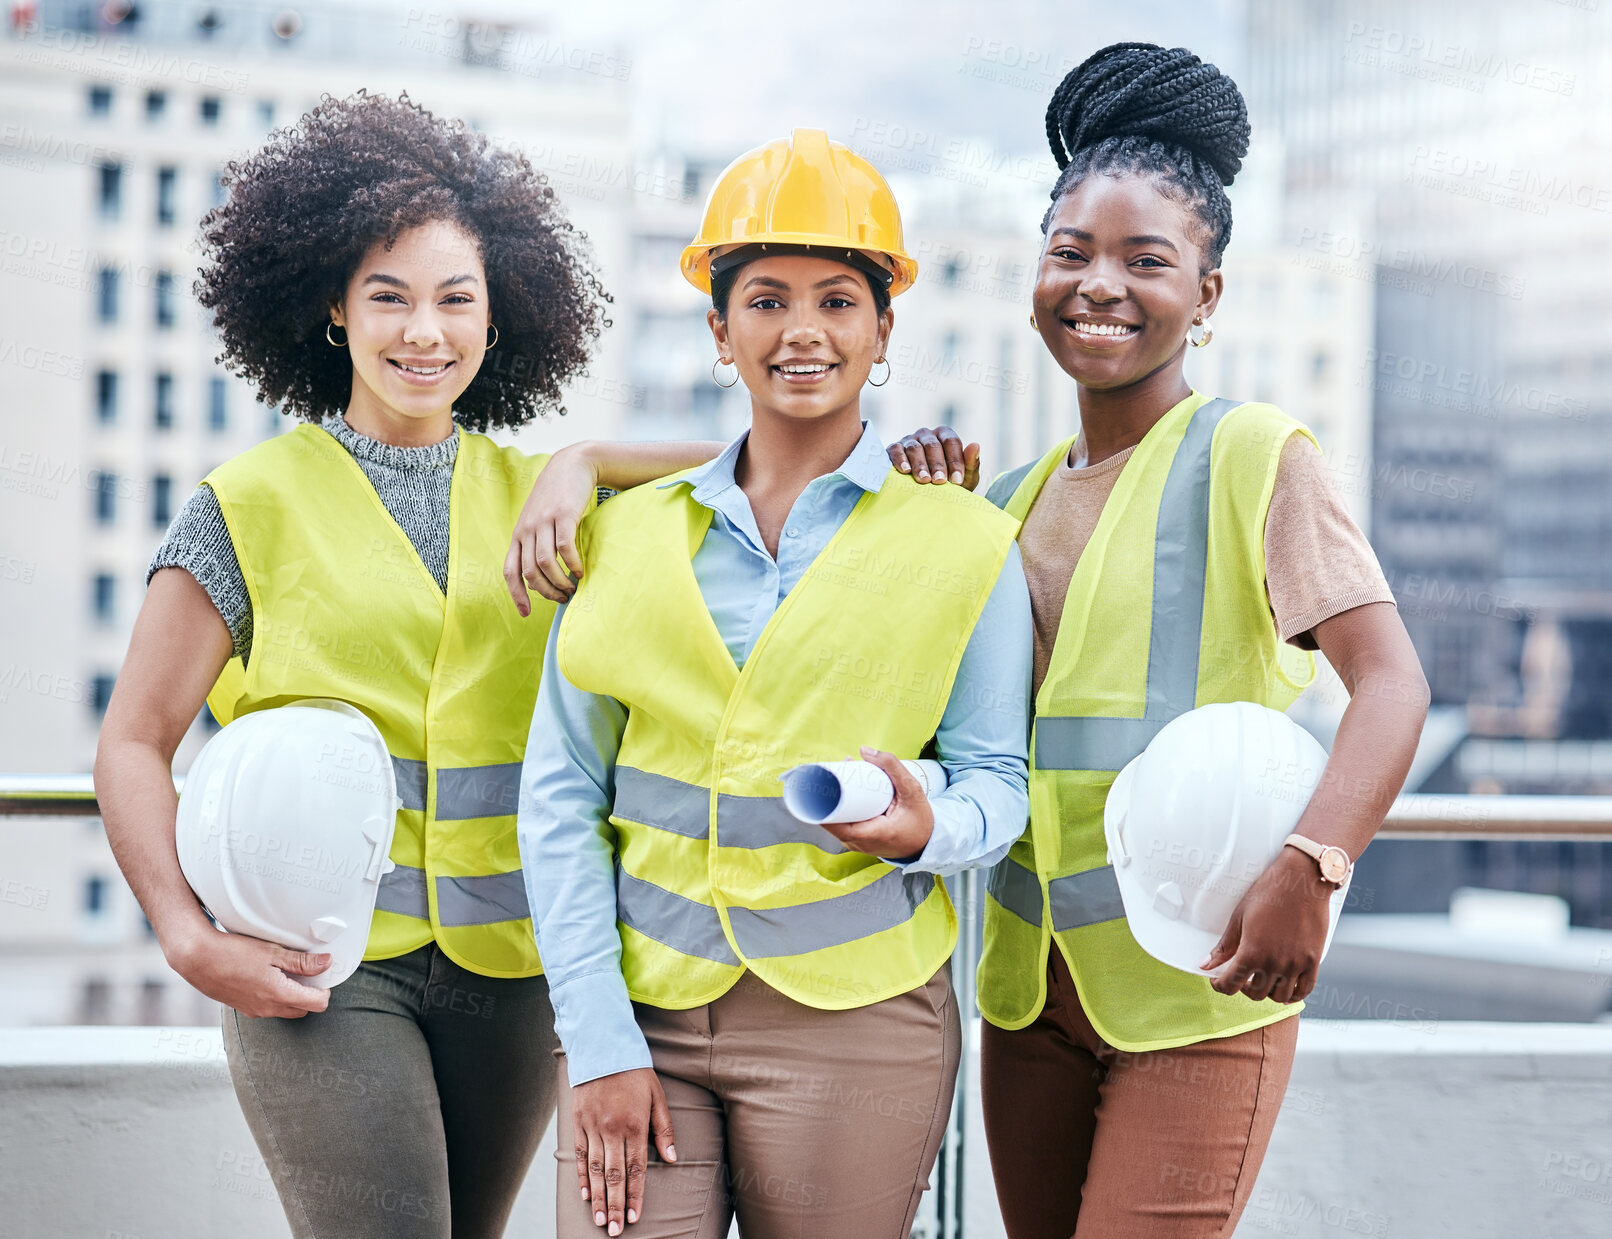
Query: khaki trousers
(805, 1123)
(1091, 1142)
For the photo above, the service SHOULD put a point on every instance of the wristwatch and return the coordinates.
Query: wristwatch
(1334, 861)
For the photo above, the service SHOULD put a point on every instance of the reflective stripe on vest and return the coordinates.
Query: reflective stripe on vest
(481, 900)
(764, 933)
(412, 780)
(683, 924)
(1180, 559)
(685, 809)
(1086, 898)
(464, 792)
(403, 892)
(882, 904)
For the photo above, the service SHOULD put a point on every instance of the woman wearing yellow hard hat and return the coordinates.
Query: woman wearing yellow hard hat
(769, 1000)
(1181, 551)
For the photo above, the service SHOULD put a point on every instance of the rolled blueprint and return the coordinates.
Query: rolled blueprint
(850, 791)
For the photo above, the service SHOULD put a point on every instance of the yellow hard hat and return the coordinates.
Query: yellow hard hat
(802, 190)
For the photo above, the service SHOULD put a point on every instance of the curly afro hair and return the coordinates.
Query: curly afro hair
(301, 213)
(1141, 109)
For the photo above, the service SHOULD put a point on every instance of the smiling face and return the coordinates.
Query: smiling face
(804, 333)
(416, 317)
(1119, 282)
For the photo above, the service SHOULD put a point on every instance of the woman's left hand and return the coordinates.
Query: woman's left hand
(1274, 941)
(543, 546)
(902, 831)
(937, 455)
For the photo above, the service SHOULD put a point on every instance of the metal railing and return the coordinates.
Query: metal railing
(1529, 818)
(1542, 818)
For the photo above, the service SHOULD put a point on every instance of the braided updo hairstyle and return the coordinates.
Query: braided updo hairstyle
(1138, 108)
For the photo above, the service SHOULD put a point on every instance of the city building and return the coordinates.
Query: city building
(1449, 156)
(118, 121)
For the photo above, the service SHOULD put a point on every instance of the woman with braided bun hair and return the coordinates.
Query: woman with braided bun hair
(398, 283)
(1124, 1097)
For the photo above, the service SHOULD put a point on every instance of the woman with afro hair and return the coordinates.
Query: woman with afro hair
(1121, 1096)
(399, 284)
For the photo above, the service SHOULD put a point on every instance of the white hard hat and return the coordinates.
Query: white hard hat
(284, 828)
(1198, 815)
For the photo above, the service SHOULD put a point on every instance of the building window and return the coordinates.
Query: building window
(106, 300)
(265, 113)
(162, 500)
(101, 692)
(106, 396)
(106, 494)
(1319, 364)
(163, 402)
(95, 1002)
(156, 104)
(163, 288)
(150, 1011)
(210, 108)
(95, 896)
(219, 192)
(110, 195)
(105, 597)
(217, 409)
(100, 101)
(167, 181)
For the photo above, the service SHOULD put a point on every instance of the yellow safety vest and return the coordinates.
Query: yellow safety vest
(1166, 611)
(343, 607)
(713, 874)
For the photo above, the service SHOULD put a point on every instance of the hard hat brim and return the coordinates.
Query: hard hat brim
(695, 263)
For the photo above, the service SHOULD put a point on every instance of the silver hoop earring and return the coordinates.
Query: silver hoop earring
(341, 343)
(492, 327)
(879, 362)
(1208, 333)
(719, 382)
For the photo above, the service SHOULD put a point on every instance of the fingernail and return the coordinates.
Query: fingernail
(584, 1193)
(598, 1218)
(632, 1215)
(923, 475)
(904, 467)
(671, 1152)
(868, 752)
(957, 477)
(615, 1228)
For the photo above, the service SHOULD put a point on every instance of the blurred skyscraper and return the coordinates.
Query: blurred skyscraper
(1451, 156)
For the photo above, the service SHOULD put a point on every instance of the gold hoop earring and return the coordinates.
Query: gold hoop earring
(492, 327)
(1034, 326)
(879, 361)
(721, 362)
(1208, 332)
(341, 343)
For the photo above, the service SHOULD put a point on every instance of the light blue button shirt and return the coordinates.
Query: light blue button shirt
(568, 783)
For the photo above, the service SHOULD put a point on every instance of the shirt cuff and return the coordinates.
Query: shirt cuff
(594, 1019)
(952, 842)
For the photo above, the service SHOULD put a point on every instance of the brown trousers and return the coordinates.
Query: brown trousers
(1091, 1142)
(807, 1123)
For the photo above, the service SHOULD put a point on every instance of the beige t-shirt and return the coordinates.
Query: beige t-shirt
(1317, 562)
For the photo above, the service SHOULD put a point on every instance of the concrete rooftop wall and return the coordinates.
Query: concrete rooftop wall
(1415, 1130)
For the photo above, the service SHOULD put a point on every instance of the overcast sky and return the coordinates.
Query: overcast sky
(724, 75)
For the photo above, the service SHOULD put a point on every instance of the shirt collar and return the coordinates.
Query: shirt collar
(867, 466)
